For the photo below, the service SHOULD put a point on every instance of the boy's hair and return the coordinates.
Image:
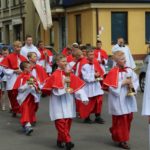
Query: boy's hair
(23, 65)
(98, 41)
(90, 49)
(77, 53)
(17, 43)
(82, 47)
(28, 36)
(5, 48)
(29, 55)
(59, 57)
(39, 42)
(117, 55)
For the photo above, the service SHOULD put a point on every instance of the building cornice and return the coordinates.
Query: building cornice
(108, 6)
(58, 10)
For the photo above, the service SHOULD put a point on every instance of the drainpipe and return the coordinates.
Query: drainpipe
(97, 21)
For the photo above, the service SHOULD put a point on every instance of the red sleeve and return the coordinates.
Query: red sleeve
(47, 86)
(104, 54)
(5, 62)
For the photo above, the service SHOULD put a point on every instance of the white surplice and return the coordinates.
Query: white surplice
(92, 87)
(11, 76)
(62, 104)
(26, 49)
(118, 101)
(48, 64)
(24, 91)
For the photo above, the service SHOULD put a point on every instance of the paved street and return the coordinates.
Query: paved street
(86, 137)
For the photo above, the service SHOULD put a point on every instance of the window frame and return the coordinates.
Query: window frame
(146, 41)
(126, 40)
(78, 30)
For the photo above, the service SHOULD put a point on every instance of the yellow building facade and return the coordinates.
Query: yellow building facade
(96, 15)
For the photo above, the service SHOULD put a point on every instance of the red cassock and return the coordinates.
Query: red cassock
(55, 81)
(95, 103)
(121, 124)
(11, 62)
(28, 108)
(41, 73)
(82, 62)
(120, 129)
(49, 53)
(103, 54)
(94, 106)
(70, 58)
(64, 52)
(63, 126)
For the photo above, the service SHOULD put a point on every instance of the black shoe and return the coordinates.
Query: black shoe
(60, 144)
(69, 146)
(43, 95)
(14, 115)
(88, 120)
(29, 130)
(99, 120)
(10, 110)
(123, 145)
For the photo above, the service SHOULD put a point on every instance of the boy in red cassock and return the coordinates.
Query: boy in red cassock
(92, 74)
(12, 70)
(64, 87)
(122, 84)
(28, 96)
(101, 55)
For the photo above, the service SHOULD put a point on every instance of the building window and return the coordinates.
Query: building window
(119, 26)
(0, 35)
(7, 3)
(147, 19)
(78, 29)
(52, 36)
(14, 2)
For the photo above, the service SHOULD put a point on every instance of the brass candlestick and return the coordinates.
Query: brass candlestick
(98, 78)
(131, 90)
(68, 88)
(32, 82)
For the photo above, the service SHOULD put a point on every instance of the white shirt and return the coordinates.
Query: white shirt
(26, 49)
(92, 87)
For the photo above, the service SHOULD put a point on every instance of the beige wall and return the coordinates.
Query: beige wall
(88, 26)
(136, 28)
(56, 35)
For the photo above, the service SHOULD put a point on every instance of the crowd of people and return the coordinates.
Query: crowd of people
(75, 87)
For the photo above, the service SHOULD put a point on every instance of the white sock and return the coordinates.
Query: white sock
(28, 124)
